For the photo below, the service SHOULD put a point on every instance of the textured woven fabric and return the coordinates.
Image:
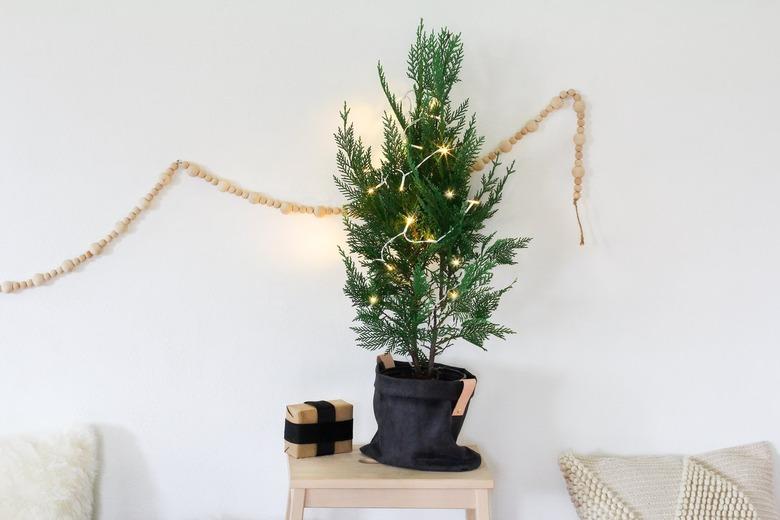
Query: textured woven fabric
(734, 483)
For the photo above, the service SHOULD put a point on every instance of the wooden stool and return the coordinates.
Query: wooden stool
(354, 480)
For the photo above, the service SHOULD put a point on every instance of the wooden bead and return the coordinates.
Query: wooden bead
(285, 208)
(578, 180)
(320, 212)
(531, 126)
(579, 139)
(174, 166)
(505, 146)
(47, 277)
(576, 195)
(487, 160)
(563, 94)
(571, 92)
(477, 166)
(512, 140)
(201, 173)
(254, 197)
(492, 156)
(231, 189)
(38, 279)
(519, 134)
(578, 171)
(579, 106)
(223, 185)
(68, 266)
(17, 286)
(120, 226)
(556, 102)
(143, 203)
(578, 187)
(193, 172)
(165, 178)
(263, 199)
(7, 287)
(95, 249)
(277, 204)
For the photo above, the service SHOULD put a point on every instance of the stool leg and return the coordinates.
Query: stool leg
(297, 497)
(482, 511)
(287, 511)
(471, 514)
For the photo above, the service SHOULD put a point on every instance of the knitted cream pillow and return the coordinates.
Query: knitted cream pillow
(735, 483)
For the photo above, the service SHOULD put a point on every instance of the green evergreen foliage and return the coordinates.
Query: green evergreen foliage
(422, 279)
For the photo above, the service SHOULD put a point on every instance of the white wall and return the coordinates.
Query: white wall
(186, 339)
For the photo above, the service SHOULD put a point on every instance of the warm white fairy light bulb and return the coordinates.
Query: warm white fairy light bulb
(373, 299)
(454, 294)
(472, 203)
(371, 191)
(443, 149)
(455, 262)
(449, 194)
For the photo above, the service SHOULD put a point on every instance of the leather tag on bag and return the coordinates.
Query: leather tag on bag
(468, 390)
(386, 360)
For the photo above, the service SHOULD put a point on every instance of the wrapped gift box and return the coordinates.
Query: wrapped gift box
(317, 428)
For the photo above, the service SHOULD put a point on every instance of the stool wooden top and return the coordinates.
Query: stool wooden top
(356, 471)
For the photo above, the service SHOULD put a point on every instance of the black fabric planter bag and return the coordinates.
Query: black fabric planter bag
(416, 427)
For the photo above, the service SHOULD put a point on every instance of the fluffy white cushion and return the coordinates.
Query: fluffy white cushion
(48, 478)
(733, 483)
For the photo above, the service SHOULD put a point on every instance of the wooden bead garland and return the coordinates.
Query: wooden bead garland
(578, 171)
(71, 264)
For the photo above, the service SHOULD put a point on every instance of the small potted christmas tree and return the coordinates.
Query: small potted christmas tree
(422, 280)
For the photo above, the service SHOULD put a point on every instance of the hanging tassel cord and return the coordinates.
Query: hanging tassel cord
(579, 223)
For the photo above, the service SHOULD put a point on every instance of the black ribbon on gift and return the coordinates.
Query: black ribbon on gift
(325, 432)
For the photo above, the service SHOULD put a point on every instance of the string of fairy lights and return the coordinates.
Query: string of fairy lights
(72, 264)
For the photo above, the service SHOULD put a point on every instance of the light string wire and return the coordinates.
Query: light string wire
(286, 207)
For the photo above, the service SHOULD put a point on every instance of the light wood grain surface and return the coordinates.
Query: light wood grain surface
(356, 471)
